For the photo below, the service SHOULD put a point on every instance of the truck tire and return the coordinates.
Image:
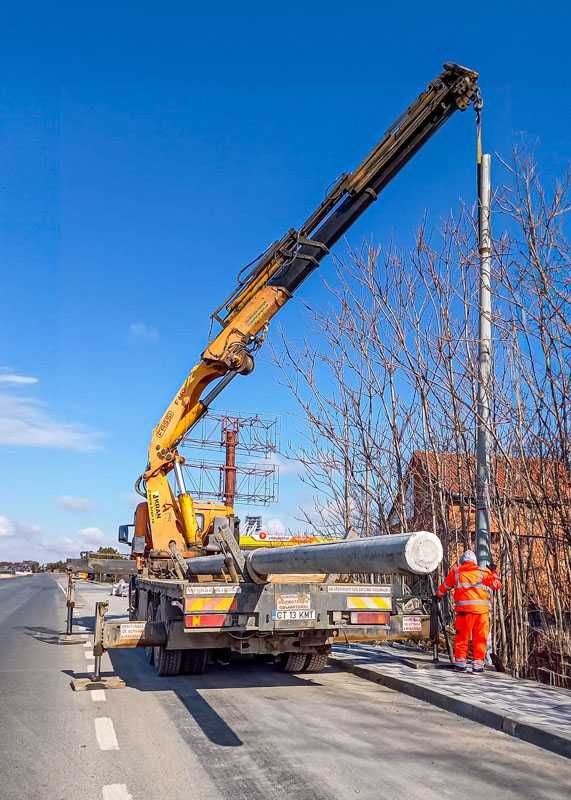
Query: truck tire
(315, 662)
(166, 662)
(292, 662)
(194, 662)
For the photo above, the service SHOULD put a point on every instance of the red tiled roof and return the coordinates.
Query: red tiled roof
(515, 478)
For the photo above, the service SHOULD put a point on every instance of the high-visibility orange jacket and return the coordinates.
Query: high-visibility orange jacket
(472, 587)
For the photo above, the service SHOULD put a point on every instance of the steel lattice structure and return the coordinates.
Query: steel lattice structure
(249, 482)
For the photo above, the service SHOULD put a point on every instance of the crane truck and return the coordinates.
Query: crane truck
(195, 591)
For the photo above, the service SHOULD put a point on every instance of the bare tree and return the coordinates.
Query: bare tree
(387, 384)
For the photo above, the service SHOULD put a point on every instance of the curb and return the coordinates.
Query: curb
(512, 725)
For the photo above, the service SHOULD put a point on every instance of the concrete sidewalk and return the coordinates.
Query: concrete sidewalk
(530, 711)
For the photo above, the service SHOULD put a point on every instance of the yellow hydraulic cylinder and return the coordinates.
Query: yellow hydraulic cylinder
(186, 506)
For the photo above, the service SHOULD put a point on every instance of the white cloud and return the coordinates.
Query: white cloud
(140, 330)
(6, 526)
(275, 526)
(91, 536)
(20, 540)
(10, 527)
(287, 466)
(25, 422)
(71, 503)
(14, 379)
(131, 499)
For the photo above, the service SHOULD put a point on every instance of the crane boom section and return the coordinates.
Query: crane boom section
(265, 286)
(283, 267)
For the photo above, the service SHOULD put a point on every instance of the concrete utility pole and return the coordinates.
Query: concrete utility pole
(484, 364)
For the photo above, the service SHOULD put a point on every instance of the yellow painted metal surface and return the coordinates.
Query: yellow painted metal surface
(367, 603)
(199, 604)
(189, 520)
(264, 539)
(164, 516)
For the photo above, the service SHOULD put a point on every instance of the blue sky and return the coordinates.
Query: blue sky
(148, 151)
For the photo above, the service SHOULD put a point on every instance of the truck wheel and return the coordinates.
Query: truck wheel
(315, 662)
(167, 662)
(149, 651)
(292, 662)
(194, 662)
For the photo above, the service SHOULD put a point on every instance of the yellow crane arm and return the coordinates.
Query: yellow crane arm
(266, 285)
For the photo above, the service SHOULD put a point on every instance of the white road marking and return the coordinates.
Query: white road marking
(116, 791)
(61, 587)
(90, 667)
(87, 643)
(88, 655)
(105, 733)
(97, 695)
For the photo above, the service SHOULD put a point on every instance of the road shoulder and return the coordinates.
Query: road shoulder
(529, 711)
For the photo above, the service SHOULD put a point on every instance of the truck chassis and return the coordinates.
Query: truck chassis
(182, 624)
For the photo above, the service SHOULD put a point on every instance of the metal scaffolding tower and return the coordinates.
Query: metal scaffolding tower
(227, 480)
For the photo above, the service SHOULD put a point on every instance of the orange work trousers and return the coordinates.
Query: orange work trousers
(475, 627)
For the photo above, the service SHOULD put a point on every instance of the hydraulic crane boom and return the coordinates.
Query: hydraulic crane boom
(264, 288)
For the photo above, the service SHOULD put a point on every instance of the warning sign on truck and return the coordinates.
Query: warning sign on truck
(412, 623)
(229, 588)
(293, 601)
(131, 630)
(357, 588)
(293, 606)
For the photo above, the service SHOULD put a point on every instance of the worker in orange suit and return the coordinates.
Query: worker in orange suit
(472, 586)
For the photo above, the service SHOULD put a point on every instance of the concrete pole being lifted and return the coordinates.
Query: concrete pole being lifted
(484, 364)
(419, 553)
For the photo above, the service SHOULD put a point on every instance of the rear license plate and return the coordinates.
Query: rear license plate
(293, 616)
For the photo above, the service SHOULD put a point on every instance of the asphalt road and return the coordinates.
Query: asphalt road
(244, 732)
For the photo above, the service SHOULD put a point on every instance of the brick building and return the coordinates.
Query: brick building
(530, 520)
